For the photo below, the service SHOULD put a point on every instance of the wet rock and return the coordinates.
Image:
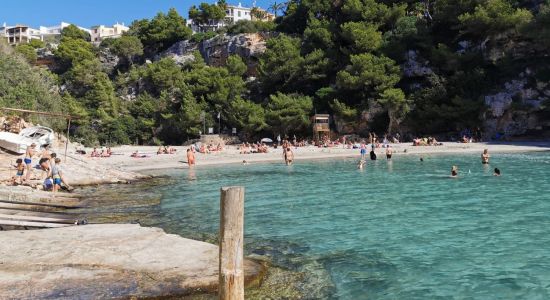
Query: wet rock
(107, 261)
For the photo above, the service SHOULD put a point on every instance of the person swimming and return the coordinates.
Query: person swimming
(361, 164)
(421, 158)
(454, 171)
(497, 172)
(485, 157)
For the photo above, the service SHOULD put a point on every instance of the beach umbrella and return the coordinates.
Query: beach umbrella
(267, 140)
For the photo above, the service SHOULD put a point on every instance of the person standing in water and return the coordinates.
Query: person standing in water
(454, 171)
(363, 150)
(485, 157)
(190, 158)
(389, 152)
(288, 155)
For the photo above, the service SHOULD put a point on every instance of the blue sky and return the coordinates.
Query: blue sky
(87, 13)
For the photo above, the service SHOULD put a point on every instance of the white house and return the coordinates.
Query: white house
(237, 13)
(101, 32)
(233, 14)
(23, 34)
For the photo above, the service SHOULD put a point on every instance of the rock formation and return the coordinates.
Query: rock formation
(216, 50)
(107, 261)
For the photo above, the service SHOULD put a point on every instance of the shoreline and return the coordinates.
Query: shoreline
(231, 156)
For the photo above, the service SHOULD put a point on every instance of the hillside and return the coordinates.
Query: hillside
(414, 68)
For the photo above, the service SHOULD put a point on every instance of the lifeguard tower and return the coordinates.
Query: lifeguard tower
(321, 127)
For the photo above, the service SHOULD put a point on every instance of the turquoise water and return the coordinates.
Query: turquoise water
(396, 230)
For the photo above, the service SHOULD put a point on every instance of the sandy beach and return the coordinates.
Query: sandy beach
(123, 162)
(121, 167)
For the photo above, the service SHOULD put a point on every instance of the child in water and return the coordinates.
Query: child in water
(497, 172)
(361, 165)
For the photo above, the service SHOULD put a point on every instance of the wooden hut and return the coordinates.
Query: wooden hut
(321, 127)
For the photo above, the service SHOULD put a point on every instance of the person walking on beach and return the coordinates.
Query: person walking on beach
(28, 159)
(288, 155)
(485, 157)
(190, 157)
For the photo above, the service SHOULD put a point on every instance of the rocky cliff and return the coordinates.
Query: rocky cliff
(216, 50)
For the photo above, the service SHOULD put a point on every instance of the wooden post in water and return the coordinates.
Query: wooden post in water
(231, 285)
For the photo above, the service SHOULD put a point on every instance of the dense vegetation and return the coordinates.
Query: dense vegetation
(338, 57)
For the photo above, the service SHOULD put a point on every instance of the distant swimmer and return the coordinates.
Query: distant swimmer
(372, 155)
(454, 171)
(421, 158)
(361, 164)
(485, 157)
(497, 172)
(389, 152)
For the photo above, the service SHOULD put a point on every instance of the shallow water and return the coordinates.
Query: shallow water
(396, 230)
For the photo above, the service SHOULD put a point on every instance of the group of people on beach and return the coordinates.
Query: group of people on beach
(105, 152)
(166, 150)
(49, 163)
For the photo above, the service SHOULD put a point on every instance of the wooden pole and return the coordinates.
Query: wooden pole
(67, 139)
(231, 273)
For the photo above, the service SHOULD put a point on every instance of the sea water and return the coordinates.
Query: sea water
(399, 229)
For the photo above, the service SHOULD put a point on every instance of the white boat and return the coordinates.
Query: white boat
(18, 143)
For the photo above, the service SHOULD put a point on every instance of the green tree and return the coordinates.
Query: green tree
(246, 116)
(205, 13)
(276, 7)
(27, 51)
(288, 114)
(73, 32)
(280, 64)
(539, 28)
(160, 32)
(72, 51)
(493, 17)
(363, 36)
(397, 106)
(127, 47)
(36, 43)
(236, 66)
(22, 86)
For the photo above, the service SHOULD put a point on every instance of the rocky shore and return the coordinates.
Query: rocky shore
(108, 261)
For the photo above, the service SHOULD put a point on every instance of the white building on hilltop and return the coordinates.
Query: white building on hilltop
(21, 34)
(233, 14)
(101, 32)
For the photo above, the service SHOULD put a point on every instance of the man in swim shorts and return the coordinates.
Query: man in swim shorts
(389, 152)
(28, 159)
(289, 156)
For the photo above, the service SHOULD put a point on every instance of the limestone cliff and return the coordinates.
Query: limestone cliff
(215, 51)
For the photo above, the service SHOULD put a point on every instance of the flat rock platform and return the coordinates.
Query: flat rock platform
(107, 261)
